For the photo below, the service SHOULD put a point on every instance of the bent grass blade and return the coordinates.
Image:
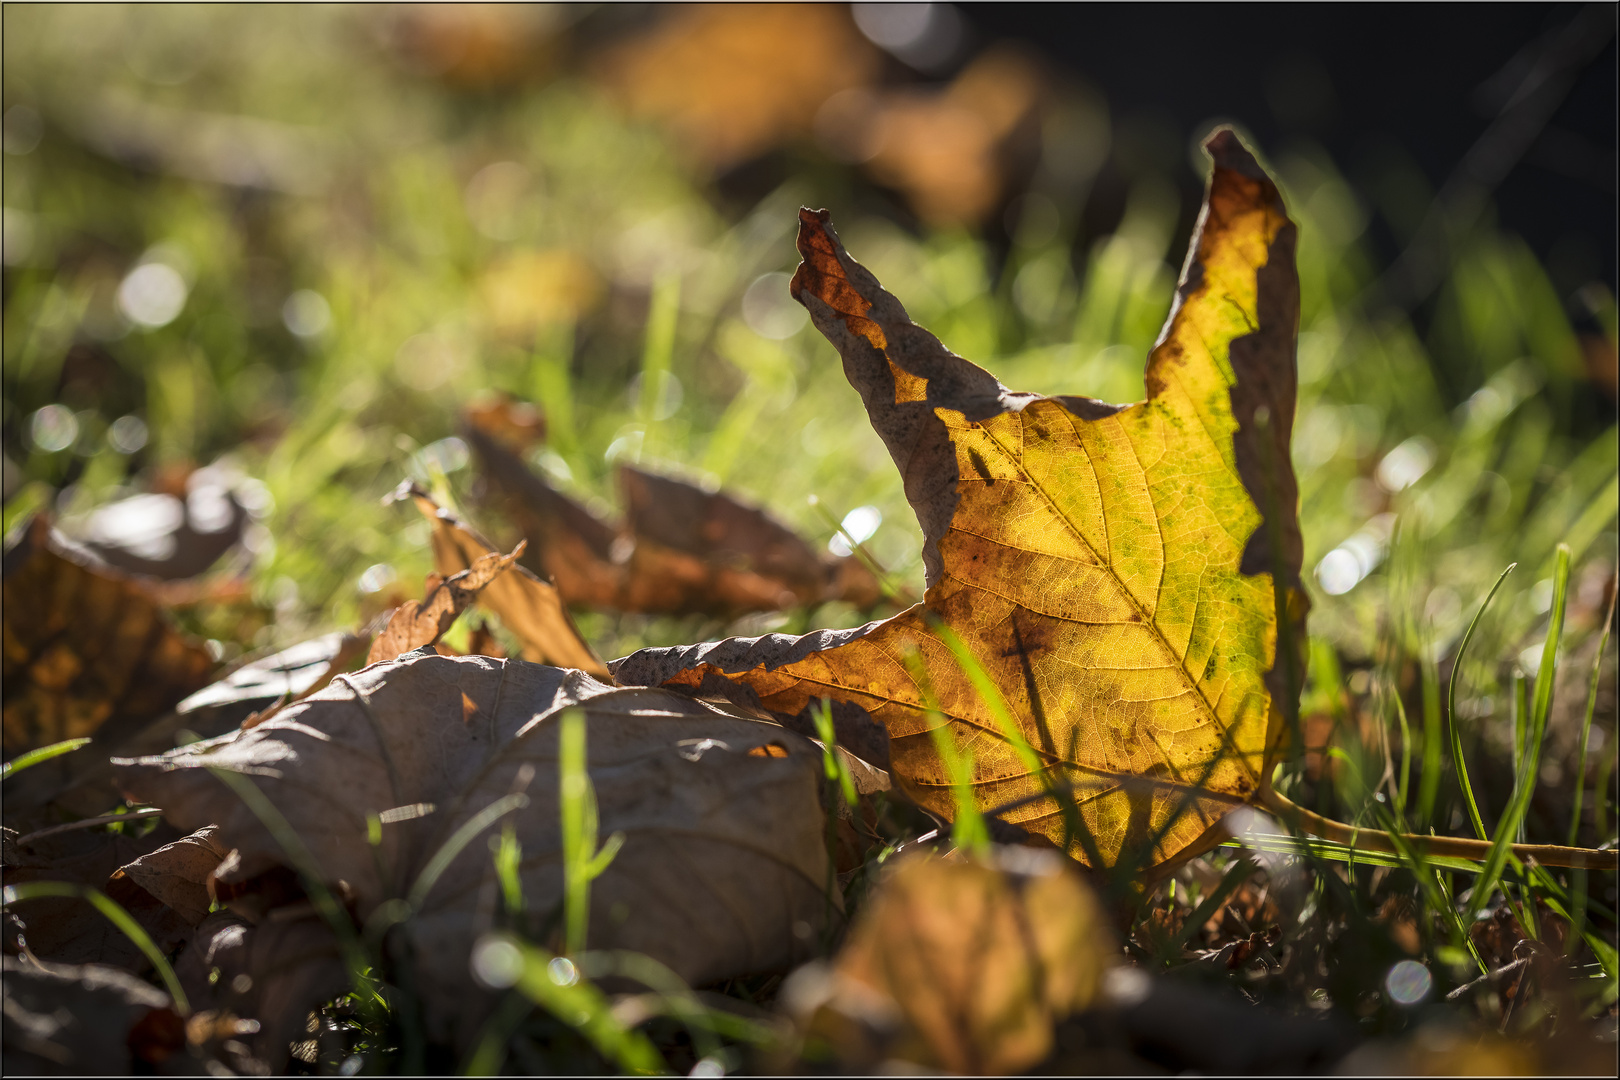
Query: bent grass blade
(1451, 710)
(115, 914)
(1525, 780)
(43, 753)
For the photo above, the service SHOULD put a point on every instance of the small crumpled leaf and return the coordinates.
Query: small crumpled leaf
(721, 874)
(960, 965)
(415, 624)
(528, 607)
(680, 548)
(1126, 577)
(177, 873)
(88, 1020)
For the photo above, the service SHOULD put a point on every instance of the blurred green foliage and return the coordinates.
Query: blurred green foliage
(365, 237)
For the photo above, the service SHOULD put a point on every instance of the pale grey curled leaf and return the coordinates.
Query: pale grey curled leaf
(723, 872)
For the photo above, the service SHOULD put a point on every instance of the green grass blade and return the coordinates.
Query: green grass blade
(1525, 778)
(578, 819)
(1429, 783)
(990, 694)
(1451, 709)
(832, 764)
(508, 855)
(1406, 756)
(706, 1025)
(43, 753)
(968, 830)
(604, 857)
(1519, 713)
(115, 914)
(1586, 721)
(441, 860)
(583, 1007)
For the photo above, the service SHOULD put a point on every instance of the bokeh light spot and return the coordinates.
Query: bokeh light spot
(127, 434)
(54, 428)
(1408, 982)
(770, 310)
(1338, 572)
(497, 963)
(152, 294)
(860, 524)
(306, 313)
(376, 578)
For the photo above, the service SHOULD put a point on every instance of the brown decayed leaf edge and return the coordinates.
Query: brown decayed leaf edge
(415, 624)
(680, 548)
(530, 608)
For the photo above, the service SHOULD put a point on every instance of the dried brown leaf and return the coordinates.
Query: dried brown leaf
(732, 80)
(710, 890)
(170, 538)
(681, 548)
(962, 965)
(85, 1020)
(177, 874)
(528, 607)
(415, 624)
(84, 648)
(273, 972)
(67, 929)
(516, 425)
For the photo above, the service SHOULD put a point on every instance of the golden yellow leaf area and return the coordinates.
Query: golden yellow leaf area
(1090, 557)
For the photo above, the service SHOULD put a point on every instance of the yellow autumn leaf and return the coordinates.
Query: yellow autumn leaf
(1106, 566)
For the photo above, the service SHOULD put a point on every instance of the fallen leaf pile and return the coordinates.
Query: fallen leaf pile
(84, 643)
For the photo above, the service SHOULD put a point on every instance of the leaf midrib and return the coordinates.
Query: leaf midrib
(1178, 663)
